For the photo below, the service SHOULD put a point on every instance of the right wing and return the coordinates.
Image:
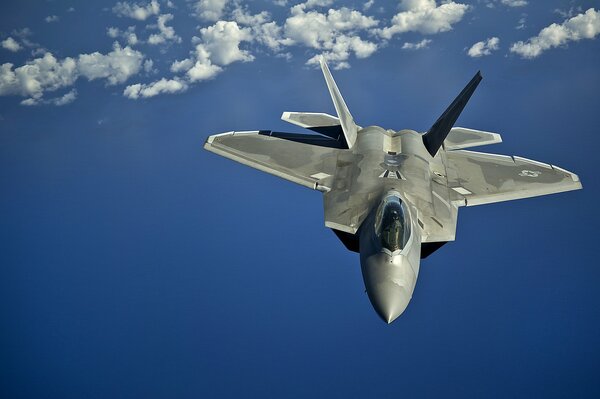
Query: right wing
(308, 165)
(479, 178)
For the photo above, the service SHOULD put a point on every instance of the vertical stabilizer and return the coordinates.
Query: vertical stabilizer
(434, 138)
(341, 108)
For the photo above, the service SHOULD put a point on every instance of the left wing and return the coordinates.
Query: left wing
(308, 165)
(477, 178)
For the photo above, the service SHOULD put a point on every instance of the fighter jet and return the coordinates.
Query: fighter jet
(392, 195)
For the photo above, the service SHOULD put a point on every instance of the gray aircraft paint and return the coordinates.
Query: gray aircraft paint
(379, 163)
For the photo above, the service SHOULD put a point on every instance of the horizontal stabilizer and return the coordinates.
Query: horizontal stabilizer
(460, 137)
(324, 124)
(434, 138)
(310, 120)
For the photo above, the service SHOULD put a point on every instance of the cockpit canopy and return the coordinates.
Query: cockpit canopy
(392, 224)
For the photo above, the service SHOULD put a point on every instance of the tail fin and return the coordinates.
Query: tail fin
(341, 108)
(435, 136)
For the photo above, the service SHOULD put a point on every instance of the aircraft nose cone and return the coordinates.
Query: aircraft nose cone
(389, 300)
(389, 282)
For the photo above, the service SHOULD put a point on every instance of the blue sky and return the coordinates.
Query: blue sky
(135, 264)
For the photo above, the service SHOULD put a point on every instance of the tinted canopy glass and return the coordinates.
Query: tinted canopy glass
(392, 224)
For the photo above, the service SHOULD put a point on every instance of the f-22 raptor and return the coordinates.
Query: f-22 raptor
(393, 196)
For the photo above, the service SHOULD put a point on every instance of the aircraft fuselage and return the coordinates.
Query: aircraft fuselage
(390, 268)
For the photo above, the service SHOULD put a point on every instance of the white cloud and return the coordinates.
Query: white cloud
(315, 29)
(582, 26)
(113, 32)
(416, 46)
(116, 66)
(71, 9)
(138, 11)
(263, 30)
(346, 19)
(242, 17)
(568, 13)
(484, 47)
(222, 41)
(166, 33)
(128, 35)
(42, 74)
(217, 46)
(514, 3)
(341, 50)
(156, 39)
(182, 66)
(203, 71)
(161, 86)
(269, 34)
(24, 35)
(51, 18)
(148, 66)
(315, 3)
(334, 33)
(30, 102)
(47, 73)
(209, 10)
(65, 99)
(11, 44)
(424, 16)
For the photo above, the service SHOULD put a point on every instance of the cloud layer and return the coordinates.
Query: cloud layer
(230, 33)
